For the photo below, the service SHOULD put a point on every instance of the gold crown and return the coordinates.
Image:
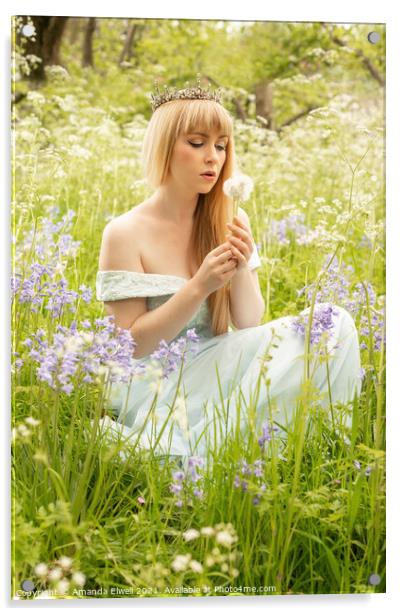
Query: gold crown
(195, 92)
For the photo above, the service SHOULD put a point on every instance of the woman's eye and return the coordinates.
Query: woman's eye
(198, 145)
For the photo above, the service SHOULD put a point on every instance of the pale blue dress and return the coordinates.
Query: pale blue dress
(212, 408)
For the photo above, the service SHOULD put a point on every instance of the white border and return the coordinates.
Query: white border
(340, 11)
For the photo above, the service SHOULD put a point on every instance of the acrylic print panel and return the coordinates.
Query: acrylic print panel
(213, 425)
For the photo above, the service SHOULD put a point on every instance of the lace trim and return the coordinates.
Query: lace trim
(123, 284)
(113, 285)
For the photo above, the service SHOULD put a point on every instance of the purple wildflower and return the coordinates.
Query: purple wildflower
(86, 293)
(258, 468)
(176, 488)
(245, 469)
(171, 356)
(188, 482)
(74, 353)
(243, 478)
(322, 323)
(359, 300)
(292, 226)
(48, 251)
(178, 476)
(267, 433)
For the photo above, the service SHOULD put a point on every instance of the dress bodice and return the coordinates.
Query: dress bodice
(156, 288)
(112, 285)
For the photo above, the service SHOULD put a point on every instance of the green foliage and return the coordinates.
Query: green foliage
(320, 525)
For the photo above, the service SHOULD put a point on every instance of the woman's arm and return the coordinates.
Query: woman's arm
(166, 321)
(246, 300)
(147, 327)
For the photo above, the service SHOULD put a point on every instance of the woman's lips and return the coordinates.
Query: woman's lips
(209, 178)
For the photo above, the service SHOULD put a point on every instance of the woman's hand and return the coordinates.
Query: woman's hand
(241, 242)
(216, 270)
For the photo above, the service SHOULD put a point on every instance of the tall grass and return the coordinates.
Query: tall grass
(303, 512)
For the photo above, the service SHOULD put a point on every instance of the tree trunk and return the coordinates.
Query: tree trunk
(87, 54)
(75, 29)
(127, 51)
(49, 33)
(264, 103)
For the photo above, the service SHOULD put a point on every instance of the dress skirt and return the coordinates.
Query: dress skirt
(238, 380)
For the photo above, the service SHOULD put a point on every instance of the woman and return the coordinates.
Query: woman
(179, 261)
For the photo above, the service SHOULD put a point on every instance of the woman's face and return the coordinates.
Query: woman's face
(195, 154)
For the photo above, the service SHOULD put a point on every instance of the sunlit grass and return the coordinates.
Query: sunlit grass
(306, 509)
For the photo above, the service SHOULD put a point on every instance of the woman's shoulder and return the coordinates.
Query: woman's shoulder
(135, 218)
(121, 245)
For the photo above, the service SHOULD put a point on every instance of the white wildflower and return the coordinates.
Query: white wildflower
(87, 337)
(55, 574)
(207, 531)
(57, 71)
(224, 538)
(117, 370)
(180, 413)
(181, 562)
(238, 186)
(36, 98)
(23, 430)
(62, 587)
(78, 578)
(154, 370)
(41, 570)
(196, 566)
(103, 370)
(190, 534)
(79, 152)
(60, 173)
(32, 421)
(65, 562)
(73, 344)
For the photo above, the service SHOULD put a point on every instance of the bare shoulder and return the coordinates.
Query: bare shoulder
(121, 242)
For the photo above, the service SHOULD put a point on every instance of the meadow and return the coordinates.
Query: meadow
(96, 518)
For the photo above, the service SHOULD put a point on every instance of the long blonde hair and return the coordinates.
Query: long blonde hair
(213, 209)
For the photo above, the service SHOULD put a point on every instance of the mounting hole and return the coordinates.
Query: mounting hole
(374, 579)
(28, 30)
(27, 585)
(373, 37)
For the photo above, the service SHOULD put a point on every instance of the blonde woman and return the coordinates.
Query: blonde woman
(181, 261)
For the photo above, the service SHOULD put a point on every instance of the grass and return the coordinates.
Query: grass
(318, 525)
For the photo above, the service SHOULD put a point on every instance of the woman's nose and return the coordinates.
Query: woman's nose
(211, 154)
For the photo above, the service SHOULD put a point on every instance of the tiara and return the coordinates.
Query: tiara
(195, 92)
